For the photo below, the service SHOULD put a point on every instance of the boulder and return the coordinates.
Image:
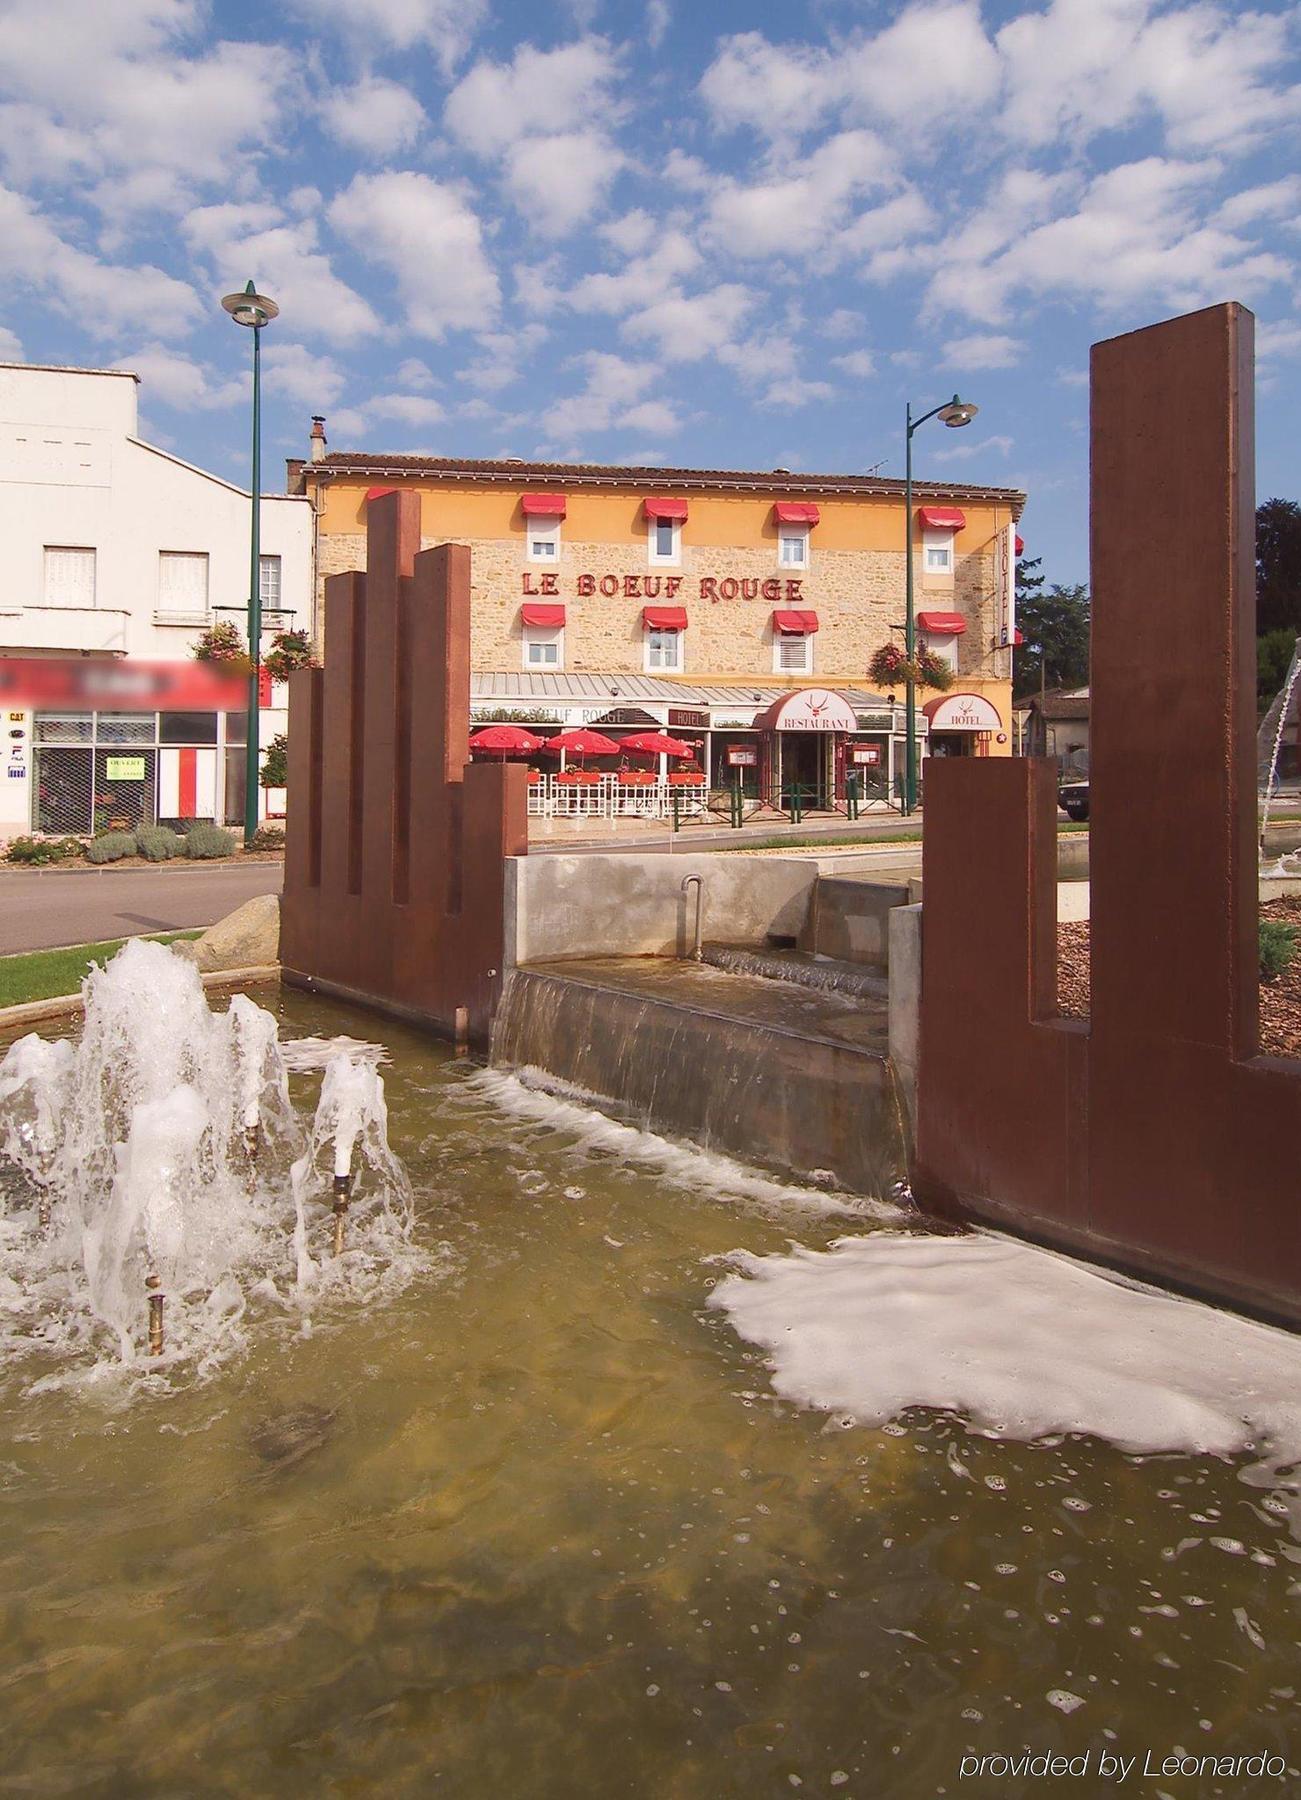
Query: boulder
(248, 938)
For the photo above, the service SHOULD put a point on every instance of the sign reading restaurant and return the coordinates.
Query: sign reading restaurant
(653, 587)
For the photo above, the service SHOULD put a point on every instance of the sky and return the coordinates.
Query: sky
(714, 234)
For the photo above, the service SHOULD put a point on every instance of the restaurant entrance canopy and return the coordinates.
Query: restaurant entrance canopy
(809, 709)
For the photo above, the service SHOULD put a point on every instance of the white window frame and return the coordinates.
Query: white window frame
(782, 638)
(943, 644)
(167, 614)
(70, 550)
(540, 636)
(650, 633)
(653, 555)
(271, 565)
(543, 531)
(937, 543)
(794, 538)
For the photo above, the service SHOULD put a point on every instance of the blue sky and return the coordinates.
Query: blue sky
(720, 234)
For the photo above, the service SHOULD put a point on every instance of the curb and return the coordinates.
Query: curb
(180, 864)
(59, 1006)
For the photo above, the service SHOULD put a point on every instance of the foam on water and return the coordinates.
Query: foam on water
(129, 1156)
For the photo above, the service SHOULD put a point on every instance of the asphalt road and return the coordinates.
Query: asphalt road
(41, 911)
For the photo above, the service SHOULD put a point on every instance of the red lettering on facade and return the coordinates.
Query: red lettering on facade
(727, 588)
(632, 587)
(793, 589)
(652, 586)
(750, 588)
(551, 584)
(772, 589)
(708, 587)
(609, 584)
(526, 582)
(671, 585)
(586, 586)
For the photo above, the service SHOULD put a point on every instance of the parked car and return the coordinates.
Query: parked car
(1073, 798)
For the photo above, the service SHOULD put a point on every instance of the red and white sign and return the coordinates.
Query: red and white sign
(810, 709)
(963, 712)
(742, 756)
(865, 753)
(187, 784)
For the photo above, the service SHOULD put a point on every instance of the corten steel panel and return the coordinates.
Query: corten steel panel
(1000, 1081)
(408, 908)
(1171, 1148)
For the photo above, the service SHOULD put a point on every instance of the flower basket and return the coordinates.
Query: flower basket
(889, 667)
(223, 647)
(289, 650)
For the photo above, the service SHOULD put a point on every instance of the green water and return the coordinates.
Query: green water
(537, 1528)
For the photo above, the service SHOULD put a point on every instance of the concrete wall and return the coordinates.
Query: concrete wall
(572, 906)
(850, 918)
(904, 926)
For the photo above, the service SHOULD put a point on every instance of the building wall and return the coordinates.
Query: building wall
(854, 581)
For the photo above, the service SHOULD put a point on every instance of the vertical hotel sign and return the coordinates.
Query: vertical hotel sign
(1005, 586)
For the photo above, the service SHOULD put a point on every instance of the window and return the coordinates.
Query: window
(943, 644)
(269, 582)
(793, 546)
(663, 648)
(544, 540)
(792, 653)
(182, 587)
(544, 646)
(69, 576)
(664, 541)
(937, 552)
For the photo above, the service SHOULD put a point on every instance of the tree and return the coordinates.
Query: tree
(1278, 567)
(1055, 631)
(1273, 660)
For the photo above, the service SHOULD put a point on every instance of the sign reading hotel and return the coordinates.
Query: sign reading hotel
(668, 587)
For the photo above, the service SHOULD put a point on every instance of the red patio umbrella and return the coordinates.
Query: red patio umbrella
(582, 742)
(658, 743)
(507, 740)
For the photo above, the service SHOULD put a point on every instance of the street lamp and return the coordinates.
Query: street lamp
(953, 413)
(254, 310)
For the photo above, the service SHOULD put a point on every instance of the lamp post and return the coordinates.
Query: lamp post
(254, 310)
(954, 413)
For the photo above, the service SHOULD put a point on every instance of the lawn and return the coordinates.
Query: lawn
(47, 974)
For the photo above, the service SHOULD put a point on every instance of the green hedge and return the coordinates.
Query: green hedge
(111, 846)
(207, 841)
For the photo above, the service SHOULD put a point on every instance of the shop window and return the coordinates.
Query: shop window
(187, 728)
(937, 552)
(793, 546)
(182, 588)
(125, 728)
(63, 728)
(544, 540)
(544, 647)
(792, 653)
(664, 541)
(664, 650)
(69, 576)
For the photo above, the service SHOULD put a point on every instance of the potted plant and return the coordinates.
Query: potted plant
(222, 645)
(274, 775)
(289, 650)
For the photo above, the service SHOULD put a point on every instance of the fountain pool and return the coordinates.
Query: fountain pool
(534, 1522)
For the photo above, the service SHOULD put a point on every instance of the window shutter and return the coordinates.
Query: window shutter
(69, 577)
(183, 583)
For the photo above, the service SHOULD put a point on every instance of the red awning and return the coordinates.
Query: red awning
(1020, 546)
(377, 493)
(801, 624)
(664, 618)
(658, 507)
(796, 512)
(942, 518)
(543, 615)
(937, 622)
(543, 506)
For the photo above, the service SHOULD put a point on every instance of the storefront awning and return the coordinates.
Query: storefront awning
(664, 618)
(962, 712)
(809, 709)
(543, 615)
(1020, 546)
(542, 506)
(942, 518)
(663, 507)
(378, 493)
(796, 624)
(938, 622)
(796, 512)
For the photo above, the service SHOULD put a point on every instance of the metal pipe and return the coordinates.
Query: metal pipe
(152, 1285)
(342, 1195)
(461, 1030)
(699, 880)
(252, 1141)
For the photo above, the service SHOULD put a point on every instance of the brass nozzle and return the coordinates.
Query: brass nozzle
(152, 1284)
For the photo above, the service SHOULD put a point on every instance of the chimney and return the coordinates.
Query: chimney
(316, 453)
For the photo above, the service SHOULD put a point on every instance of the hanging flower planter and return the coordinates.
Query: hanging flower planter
(222, 646)
(889, 667)
(289, 650)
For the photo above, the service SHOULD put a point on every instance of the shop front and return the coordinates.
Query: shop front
(964, 725)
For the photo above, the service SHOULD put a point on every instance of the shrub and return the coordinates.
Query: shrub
(111, 846)
(43, 850)
(275, 769)
(1277, 947)
(159, 844)
(268, 837)
(206, 841)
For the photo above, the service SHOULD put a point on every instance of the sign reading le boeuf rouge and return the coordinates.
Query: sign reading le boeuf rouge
(665, 587)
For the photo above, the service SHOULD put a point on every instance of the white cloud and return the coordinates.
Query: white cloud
(426, 234)
(685, 327)
(613, 398)
(416, 374)
(842, 322)
(1274, 200)
(105, 299)
(799, 209)
(779, 90)
(407, 409)
(859, 363)
(932, 63)
(644, 279)
(11, 349)
(181, 382)
(982, 350)
(502, 352)
(447, 27)
(375, 116)
(285, 259)
(775, 364)
(966, 451)
(497, 104)
(1276, 339)
(314, 382)
(659, 16)
(560, 180)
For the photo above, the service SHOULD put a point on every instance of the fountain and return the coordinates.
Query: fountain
(1269, 747)
(162, 1183)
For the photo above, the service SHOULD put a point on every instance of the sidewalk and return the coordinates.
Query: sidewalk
(633, 834)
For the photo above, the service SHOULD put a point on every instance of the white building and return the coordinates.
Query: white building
(114, 555)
